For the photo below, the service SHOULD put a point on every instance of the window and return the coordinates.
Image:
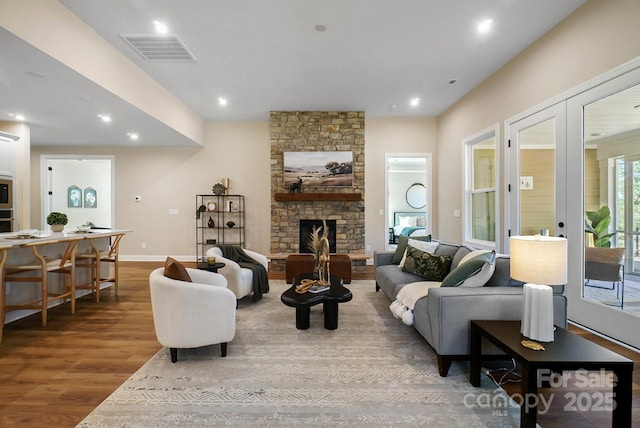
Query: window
(480, 189)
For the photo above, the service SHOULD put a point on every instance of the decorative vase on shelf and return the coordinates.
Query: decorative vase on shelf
(211, 223)
(218, 189)
(230, 224)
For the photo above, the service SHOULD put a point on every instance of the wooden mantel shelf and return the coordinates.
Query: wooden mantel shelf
(318, 196)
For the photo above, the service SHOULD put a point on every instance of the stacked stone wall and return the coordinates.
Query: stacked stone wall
(317, 131)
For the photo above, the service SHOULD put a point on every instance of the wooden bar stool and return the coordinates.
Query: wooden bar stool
(93, 260)
(3, 291)
(111, 256)
(64, 265)
(90, 260)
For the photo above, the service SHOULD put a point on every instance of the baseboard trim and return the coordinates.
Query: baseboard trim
(604, 336)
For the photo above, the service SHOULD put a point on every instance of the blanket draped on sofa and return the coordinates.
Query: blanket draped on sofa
(260, 277)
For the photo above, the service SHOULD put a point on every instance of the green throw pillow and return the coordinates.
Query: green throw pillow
(429, 266)
(402, 246)
(468, 269)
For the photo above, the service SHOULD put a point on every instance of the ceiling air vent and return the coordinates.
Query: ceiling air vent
(159, 47)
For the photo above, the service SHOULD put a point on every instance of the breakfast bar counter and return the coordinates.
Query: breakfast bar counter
(36, 250)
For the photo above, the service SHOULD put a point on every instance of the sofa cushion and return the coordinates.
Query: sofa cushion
(402, 246)
(468, 268)
(502, 274)
(175, 270)
(429, 266)
(476, 267)
(428, 246)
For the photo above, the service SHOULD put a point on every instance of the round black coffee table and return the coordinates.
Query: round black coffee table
(330, 298)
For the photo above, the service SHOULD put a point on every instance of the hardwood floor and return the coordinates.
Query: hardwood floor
(56, 375)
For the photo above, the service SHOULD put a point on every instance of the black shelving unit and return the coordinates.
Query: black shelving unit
(213, 214)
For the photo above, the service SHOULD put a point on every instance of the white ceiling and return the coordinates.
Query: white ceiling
(267, 55)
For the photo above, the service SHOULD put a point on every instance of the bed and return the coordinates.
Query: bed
(409, 223)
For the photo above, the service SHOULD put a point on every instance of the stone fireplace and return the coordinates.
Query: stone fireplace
(317, 131)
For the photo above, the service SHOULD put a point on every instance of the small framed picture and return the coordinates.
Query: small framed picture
(90, 198)
(74, 197)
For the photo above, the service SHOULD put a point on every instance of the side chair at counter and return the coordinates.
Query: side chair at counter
(93, 259)
(3, 260)
(39, 268)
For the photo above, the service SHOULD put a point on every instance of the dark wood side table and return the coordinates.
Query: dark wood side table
(211, 268)
(567, 352)
(330, 298)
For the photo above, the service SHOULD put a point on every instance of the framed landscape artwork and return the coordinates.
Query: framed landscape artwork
(318, 168)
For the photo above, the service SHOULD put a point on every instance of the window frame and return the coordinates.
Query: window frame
(468, 143)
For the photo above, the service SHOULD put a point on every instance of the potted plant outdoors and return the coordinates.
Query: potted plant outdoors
(57, 221)
(599, 227)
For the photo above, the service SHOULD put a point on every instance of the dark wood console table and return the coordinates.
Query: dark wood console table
(567, 352)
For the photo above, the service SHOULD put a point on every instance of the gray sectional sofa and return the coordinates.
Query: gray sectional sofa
(443, 317)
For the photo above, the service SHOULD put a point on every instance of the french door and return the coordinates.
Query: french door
(537, 174)
(604, 145)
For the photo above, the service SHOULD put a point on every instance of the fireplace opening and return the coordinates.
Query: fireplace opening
(307, 226)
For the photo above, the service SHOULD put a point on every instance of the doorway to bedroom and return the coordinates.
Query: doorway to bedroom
(408, 209)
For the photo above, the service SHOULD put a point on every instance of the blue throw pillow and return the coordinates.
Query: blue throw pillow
(468, 269)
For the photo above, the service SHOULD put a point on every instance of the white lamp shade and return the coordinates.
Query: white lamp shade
(539, 259)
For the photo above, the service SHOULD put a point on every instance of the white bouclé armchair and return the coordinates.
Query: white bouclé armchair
(192, 314)
(239, 280)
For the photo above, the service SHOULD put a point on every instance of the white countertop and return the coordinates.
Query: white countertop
(10, 238)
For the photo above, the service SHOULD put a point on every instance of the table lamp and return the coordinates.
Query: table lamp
(539, 261)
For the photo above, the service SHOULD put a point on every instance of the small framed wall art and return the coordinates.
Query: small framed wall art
(90, 198)
(74, 197)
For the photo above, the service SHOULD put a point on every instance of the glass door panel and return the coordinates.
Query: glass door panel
(611, 198)
(538, 173)
(633, 236)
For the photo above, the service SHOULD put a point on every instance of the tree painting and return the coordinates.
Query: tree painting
(318, 168)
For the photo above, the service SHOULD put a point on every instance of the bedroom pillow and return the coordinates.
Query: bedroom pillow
(470, 267)
(429, 266)
(407, 221)
(175, 270)
(402, 246)
(427, 246)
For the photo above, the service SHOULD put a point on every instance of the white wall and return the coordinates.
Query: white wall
(83, 173)
(392, 135)
(169, 178)
(597, 37)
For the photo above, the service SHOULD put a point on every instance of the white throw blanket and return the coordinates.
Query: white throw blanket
(407, 297)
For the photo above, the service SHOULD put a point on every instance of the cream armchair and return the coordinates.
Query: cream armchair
(192, 314)
(239, 280)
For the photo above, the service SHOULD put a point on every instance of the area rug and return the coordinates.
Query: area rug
(372, 371)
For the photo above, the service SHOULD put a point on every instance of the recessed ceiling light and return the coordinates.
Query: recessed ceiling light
(320, 28)
(222, 101)
(105, 118)
(161, 27)
(393, 107)
(485, 26)
(414, 102)
(133, 136)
